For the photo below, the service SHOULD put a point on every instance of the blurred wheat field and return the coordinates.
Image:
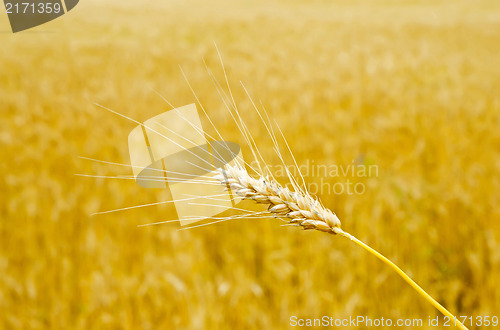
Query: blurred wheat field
(411, 86)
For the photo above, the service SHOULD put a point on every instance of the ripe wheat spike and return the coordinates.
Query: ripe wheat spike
(302, 210)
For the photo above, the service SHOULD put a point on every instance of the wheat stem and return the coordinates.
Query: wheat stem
(398, 270)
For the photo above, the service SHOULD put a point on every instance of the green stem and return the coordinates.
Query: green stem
(404, 276)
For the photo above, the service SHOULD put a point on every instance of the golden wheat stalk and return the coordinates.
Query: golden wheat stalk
(300, 209)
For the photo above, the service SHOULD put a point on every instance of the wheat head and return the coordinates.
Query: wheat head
(301, 209)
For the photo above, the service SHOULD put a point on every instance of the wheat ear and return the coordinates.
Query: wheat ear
(301, 209)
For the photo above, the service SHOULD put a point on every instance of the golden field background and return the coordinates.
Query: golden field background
(410, 86)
